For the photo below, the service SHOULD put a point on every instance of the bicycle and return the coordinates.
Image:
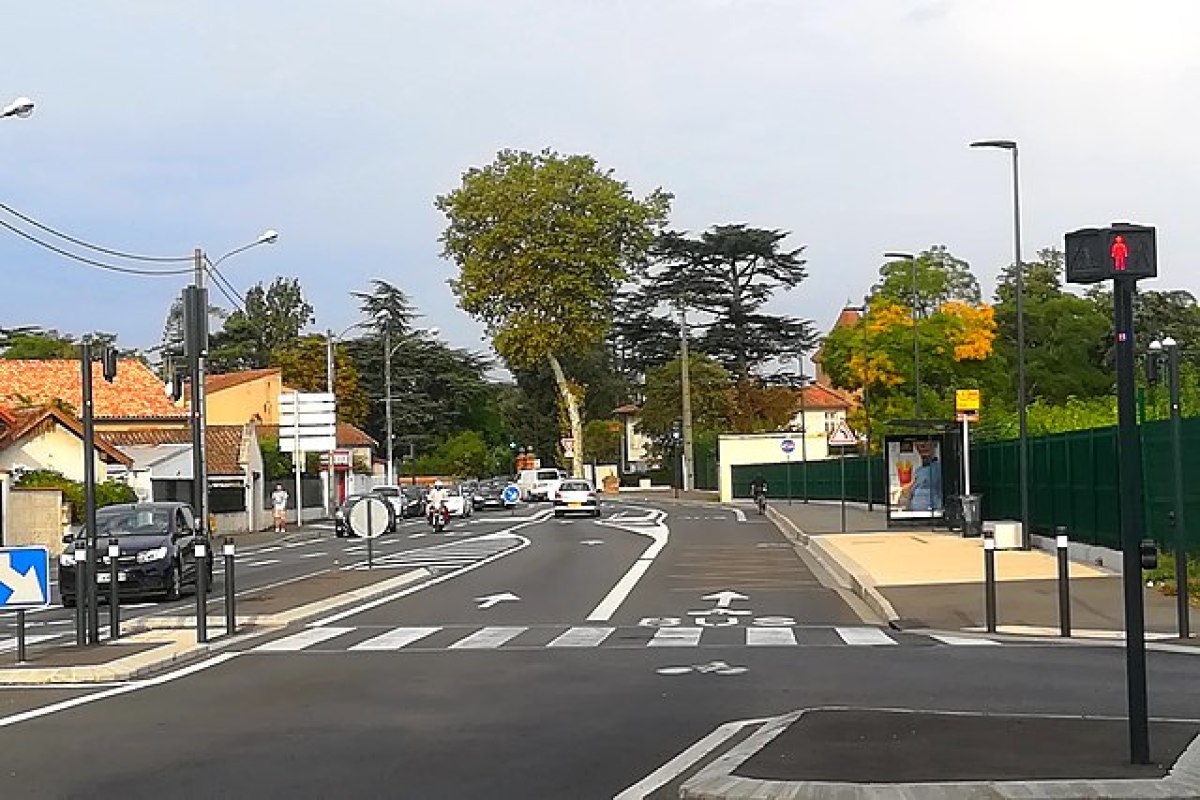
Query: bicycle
(760, 500)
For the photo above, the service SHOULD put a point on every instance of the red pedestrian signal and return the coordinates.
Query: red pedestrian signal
(1119, 252)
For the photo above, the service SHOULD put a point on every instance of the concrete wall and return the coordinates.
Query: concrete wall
(257, 399)
(35, 516)
(765, 448)
(58, 449)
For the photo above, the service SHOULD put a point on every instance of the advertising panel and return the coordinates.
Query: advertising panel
(915, 489)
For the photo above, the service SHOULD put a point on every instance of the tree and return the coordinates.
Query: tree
(941, 277)
(303, 364)
(728, 274)
(602, 438)
(756, 407)
(710, 394)
(542, 242)
(40, 345)
(272, 318)
(171, 347)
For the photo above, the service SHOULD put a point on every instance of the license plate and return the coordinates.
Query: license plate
(574, 505)
(106, 577)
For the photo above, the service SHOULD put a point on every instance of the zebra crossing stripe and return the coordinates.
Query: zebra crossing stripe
(770, 637)
(303, 639)
(582, 637)
(676, 637)
(864, 636)
(488, 638)
(395, 639)
(967, 641)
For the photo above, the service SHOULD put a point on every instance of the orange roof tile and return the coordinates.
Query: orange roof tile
(215, 383)
(223, 443)
(18, 423)
(818, 396)
(135, 393)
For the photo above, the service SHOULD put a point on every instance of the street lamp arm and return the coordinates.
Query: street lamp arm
(1000, 144)
(267, 237)
(21, 107)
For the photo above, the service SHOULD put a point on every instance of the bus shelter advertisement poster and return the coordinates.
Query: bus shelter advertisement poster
(915, 479)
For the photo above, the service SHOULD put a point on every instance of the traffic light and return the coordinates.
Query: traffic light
(109, 360)
(1120, 250)
(1153, 368)
(1148, 551)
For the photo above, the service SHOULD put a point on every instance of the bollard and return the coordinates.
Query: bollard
(989, 580)
(114, 601)
(230, 609)
(201, 590)
(1064, 582)
(20, 636)
(80, 595)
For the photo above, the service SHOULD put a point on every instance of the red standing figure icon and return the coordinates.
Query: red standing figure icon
(1119, 252)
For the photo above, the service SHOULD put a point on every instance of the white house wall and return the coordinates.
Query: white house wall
(766, 448)
(58, 449)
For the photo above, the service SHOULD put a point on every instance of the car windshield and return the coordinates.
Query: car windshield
(141, 522)
(548, 475)
(387, 491)
(575, 486)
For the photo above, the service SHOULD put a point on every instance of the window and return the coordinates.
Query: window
(832, 418)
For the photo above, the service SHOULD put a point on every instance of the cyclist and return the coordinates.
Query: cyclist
(758, 490)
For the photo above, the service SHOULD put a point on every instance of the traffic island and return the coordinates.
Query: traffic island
(128, 658)
(867, 754)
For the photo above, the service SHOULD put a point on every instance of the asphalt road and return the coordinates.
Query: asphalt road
(542, 670)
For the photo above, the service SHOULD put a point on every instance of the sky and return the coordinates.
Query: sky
(162, 126)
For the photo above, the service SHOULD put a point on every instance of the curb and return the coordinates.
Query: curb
(853, 579)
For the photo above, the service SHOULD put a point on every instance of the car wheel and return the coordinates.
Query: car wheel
(174, 584)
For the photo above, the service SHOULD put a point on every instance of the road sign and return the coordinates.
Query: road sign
(511, 494)
(24, 577)
(1097, 254)
(568, 446)
(788, 446)
(369, 517)
(966, 405)
(307, 422)
(842, 436)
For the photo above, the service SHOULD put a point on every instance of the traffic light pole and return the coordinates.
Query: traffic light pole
(1130, 475)
(85, 588)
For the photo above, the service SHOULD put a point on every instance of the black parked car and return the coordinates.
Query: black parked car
(158, 555)
(490, 494)
(416, 501)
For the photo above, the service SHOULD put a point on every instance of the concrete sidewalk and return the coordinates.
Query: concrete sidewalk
(934, 579)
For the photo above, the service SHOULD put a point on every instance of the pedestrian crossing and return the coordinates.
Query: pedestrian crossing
(563, 637)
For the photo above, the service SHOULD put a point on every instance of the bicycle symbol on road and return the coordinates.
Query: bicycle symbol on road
(711, 668)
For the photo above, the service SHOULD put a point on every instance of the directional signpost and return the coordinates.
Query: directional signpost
(24, 584)
(510, 496)
(307, 424)
(841, 438)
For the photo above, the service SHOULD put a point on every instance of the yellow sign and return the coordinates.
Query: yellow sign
(966, 400)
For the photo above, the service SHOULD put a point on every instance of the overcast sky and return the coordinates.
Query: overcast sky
(161, 126)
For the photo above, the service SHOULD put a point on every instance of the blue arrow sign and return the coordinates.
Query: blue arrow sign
(787, 446)
(24, 577)
(511, 494)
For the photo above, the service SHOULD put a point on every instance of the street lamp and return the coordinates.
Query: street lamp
(21, 107)
(387, 382)
(1181, 555)
(1023, 433)
(912, 260)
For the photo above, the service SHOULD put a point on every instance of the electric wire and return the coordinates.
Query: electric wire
(92, 262)
(89, 245)
(231, 294)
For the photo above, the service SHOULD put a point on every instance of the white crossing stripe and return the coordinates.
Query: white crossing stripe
(967, 641)
(266, 562)
(302, 640)
(864, 636)
(30, 638)
(770, 637)
(395, 639)
(314, 555)
(676, 637)
(582, 637)
(488, 638)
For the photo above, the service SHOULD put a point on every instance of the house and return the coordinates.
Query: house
(635, 445)
(847, 317)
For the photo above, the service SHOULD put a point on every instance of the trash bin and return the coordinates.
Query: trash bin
(972, 514)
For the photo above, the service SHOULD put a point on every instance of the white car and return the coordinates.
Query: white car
(458, 503)
(576, 496)
(539, 484)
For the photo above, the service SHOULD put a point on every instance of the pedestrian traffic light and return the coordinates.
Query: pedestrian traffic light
(1148, 550)
(1120, 250)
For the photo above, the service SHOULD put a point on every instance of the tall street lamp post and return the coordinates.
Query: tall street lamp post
(1023, 433)
(1181, 555)
(912, 261)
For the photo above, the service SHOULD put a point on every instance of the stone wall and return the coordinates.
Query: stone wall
(36, 516)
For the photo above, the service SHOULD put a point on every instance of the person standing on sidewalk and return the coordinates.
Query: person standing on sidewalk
(279, 502)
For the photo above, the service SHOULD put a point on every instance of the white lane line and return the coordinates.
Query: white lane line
(582, 637)
(271, 549)
(770, 637)
(395, 639)
(685, 760)
(30, 638)
(488, 638)
(301, 640)
(266, 562)
(660, 533)
(113, 692)
(741, 515)
(676, 637)
(864, 636)
(318, 554)
(966, 641)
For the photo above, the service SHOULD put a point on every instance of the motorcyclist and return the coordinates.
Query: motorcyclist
(437, 500)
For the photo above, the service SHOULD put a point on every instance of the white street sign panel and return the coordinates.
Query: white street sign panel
(24, 577)
(307, 422)
(842, 436)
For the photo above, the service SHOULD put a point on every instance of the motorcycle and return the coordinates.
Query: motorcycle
(438, 517)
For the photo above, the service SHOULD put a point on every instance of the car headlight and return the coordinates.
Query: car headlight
(66, 558)
(155, 554)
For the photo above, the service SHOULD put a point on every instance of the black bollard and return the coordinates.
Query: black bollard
(114, 602)
(989, 580)
(230, 599)
(1064, 581)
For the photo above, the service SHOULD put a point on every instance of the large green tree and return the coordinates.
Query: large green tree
(303, 364)
(271, 320)
(542, 242)
(711, 394)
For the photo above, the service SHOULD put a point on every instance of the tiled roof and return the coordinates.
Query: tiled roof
(347, 435)
(18, 423)
(817, 396)
(135, 393)
(223, 443)
(215, 383)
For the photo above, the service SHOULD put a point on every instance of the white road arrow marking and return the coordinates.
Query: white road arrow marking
(725, 598)
(591, 542)
(487, 601)
(26, 588)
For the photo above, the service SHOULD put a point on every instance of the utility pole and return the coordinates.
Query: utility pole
(85, 593)
(195, 312)
(330, 474)
(685, 384)
(803, 429)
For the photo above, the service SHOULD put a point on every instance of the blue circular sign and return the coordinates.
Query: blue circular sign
(787, 446)
(511, 494)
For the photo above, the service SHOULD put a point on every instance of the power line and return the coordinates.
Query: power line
(98, 264)
(89, 245)
(218, 279)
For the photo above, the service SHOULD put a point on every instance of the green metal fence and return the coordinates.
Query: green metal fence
(1072, 482)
